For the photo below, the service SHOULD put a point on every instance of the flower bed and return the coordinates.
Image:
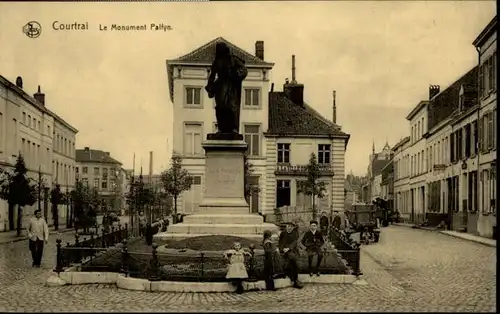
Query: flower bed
(184, 260)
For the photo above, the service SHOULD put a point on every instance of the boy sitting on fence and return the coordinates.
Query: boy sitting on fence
(313, 240)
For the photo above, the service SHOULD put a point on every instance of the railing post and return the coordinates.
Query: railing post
(251, 261)
(124, 268)
(59, 262)
(153, 276)
(77, 240)
(202, 268)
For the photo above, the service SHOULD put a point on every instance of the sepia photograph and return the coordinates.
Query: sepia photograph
(248, 156)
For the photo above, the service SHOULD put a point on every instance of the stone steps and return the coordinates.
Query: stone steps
(221, 229)
(218, 219)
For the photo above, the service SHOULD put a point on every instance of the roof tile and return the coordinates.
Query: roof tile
(94, 155)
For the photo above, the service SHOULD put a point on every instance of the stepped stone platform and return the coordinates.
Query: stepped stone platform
(223, 210)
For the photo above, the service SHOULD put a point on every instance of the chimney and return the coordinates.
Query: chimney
(259, 49)
(433, 91)
(107, 153)
(334, 115)
(19, 82)
(293, 90)
(39, 96)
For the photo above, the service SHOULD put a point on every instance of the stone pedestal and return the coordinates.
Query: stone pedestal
(223, 210)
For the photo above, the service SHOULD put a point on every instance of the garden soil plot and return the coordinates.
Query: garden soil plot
(181, 260)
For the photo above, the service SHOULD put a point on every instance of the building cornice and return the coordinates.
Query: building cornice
(486, 33)
(421, 105)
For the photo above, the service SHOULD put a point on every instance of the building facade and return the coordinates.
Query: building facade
(44, 139)
(401, 162)
(279, 145)
(97, 169)
(486, 45)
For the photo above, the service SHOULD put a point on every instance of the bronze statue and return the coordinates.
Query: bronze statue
(224, 83)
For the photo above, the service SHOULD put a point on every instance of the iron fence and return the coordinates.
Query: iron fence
(348, 249)
(197, 266)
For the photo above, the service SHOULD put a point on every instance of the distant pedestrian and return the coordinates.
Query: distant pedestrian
(236, 271)
(288, 246)
(142, 224)
(313, 241)
(272, 261)
(337, 221)
(38, 234)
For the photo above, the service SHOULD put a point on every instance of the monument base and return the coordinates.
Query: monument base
(223, 210)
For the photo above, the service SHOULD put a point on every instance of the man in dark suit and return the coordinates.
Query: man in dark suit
(288, 246)
(337, 221)
(313, 241)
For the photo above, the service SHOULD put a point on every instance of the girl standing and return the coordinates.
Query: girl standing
(237, 271)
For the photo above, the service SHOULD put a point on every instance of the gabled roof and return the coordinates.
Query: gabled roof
(94, 156)
(289, 119)
(446, 102)
(204, 56)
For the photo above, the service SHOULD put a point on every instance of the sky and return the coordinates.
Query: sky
(380, 57)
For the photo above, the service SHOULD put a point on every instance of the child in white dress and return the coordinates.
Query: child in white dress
(236, 271)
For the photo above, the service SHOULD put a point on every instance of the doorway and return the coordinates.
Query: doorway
(283, 193)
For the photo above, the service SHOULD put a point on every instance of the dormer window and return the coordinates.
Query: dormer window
(461, 102)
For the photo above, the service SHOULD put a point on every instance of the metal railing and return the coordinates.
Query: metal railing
(347, 248)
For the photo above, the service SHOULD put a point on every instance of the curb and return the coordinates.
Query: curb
(25, 238)
(449, 234)
(469, 239)
(72, 277)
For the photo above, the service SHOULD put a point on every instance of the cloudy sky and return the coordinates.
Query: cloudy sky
(380, 57)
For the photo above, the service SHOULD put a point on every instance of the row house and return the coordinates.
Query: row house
(98, 170)
(44, 139)
(486, 46)
(415, 152)
(281, 131)
(401, 168)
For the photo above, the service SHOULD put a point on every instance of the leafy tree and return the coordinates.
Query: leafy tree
(138, 196)
(17, 189)
(248, 171)
(312, 186)
(83, 198)
(176, 180)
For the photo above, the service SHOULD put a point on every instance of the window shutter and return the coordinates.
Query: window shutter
(490, 129)
(494, 128)
(481, 131)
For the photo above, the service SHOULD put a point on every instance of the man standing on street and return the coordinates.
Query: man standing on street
(313, 241)
(288, 245)
(324, 222)
(38, 234)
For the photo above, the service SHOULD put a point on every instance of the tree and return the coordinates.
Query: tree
(83, 197)
(250, 189)
(312, 186)
(176, 180)
(138, 196)
(18, 189)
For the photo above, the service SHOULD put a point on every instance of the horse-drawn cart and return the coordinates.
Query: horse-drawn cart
(364, 221)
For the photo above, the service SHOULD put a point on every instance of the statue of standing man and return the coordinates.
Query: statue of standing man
(224, 83)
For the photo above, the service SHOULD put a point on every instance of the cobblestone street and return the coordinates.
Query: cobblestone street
(409, 270)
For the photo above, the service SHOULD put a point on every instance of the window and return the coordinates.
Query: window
(252, 137)
(252, 97)
(460, 146)
(28, 123)
(324, 152)
(38, 126)
(491, 74)
(24, 118)
(494, 66)
(96, 171)
(283, 153)
(283, 193)
(192, 139)
(96, 183)
(489, 127)
(494, 127)
(418, 130)
(104, 172)
(104, 184)
(461, 102)
(77, 169)
(85, 170)
(196, 180)
(34, 123)
(193, 96)
(468, 141)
